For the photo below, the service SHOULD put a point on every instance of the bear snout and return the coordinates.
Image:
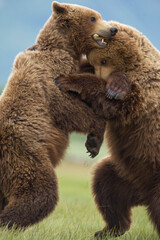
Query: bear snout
(113, 31)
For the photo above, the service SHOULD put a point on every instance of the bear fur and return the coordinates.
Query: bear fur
(131, 175)
(36, 117)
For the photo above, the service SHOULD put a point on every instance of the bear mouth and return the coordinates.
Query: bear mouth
(99, 40)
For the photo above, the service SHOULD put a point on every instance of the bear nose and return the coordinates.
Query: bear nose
(113, 31)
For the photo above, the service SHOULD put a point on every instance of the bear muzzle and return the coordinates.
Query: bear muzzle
(101, 38)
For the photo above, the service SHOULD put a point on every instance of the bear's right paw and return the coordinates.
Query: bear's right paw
(118, 86)
(112, 94)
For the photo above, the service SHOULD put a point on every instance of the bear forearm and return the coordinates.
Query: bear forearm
(87, 85)
(93, 91)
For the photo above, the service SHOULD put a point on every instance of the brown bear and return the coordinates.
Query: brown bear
(130, 176)
(36, 117)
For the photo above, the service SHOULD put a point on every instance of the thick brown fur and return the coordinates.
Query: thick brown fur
(36, 117)
(130, 176)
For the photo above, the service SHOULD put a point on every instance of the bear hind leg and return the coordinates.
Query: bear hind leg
(32, 206)
(3, 201)
(114, 198)
(154, 208)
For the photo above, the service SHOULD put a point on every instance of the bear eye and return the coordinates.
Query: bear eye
(103, 62)
(93, 19)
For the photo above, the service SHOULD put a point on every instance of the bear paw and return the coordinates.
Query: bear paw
(118, 86)
(101, 235)
(92, 145)
(106, 234)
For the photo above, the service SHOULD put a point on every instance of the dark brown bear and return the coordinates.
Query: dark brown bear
(131, 175)
(36, 117)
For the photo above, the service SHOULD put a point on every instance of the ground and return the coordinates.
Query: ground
(76, 217)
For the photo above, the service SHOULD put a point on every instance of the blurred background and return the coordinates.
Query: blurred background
(21, 21)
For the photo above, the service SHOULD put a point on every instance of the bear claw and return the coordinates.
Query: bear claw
(111, 94)
(56, 80)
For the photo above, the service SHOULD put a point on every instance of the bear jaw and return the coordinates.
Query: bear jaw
(99, 40)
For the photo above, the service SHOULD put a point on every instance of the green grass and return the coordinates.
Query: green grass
(76, 217)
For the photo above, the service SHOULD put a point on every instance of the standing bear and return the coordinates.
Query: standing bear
(36, 117)
(131, 175)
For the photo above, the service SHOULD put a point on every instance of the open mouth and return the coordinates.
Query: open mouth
(99, 40)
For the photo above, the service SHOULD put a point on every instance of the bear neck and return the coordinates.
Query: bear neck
(148, 59)
(144, 71)
(143, 61)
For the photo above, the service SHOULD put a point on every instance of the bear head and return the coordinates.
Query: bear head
(77, 27)
(127, 51)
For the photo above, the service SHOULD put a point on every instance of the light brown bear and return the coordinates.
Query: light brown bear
(131, 175)
(36, 117)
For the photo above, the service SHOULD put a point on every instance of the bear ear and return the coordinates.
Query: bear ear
(59, 8)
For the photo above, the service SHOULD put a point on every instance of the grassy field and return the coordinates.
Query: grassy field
(76, 217)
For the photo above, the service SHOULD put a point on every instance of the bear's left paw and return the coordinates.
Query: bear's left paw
(92, 145)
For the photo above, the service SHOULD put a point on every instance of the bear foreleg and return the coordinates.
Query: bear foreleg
(105, 97)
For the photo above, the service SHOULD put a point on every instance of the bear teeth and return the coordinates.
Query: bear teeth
(102, 40)
(99, 40)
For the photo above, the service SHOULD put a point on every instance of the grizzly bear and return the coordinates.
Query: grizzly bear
(131, 175)
(36, 117)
